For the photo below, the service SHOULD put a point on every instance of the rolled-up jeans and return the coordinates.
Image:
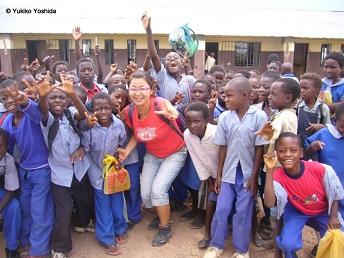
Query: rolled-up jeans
(158, 175)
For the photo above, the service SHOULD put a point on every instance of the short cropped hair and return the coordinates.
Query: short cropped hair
(336, 56)
(100, 95)
(290, 86)
(339, 111)
(314, 77)
(198, 106)
(288, 134)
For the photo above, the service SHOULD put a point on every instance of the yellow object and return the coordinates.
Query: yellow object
(325, 96)
(331, 245)
(116, 179)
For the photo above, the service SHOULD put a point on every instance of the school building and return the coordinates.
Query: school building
(241, 38)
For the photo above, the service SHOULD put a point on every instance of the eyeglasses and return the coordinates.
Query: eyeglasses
(141, 90)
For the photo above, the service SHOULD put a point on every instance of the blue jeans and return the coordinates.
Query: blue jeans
(158, 175)
(110, 221)
(37, 207)
(133, 195)
(242, 218)
(12, 219)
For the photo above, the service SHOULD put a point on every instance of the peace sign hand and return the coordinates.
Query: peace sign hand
(168, 111)
(19, 97)
(43, 87)
(91, 119)
(212, 100)
(67, 84)
(30, 91)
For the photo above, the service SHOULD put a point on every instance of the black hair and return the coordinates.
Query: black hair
(314, 77)
(83, 60)
(52, 77)
(206, 82)
(273, 57)
(245, 73)
(257, 72)
(290, 86)
(100, 95)
(336, 56)
(138, 74)
(80, 89)
(272, 75)
(209, 74)
(278, 63)
(4, 134)
(9, 83)
(256, 77)
(222, 85)
(288, 134)
(339, 111)
(115, 87)
(54, 66)
(198, 106)
(19, 76)
(217, 68)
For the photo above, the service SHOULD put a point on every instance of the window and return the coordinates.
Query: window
(247, 53)
(109, 51)
(86, 47)
(156, 43)
(342, 49)
(64, 50)
(325, 49)
(131, 50)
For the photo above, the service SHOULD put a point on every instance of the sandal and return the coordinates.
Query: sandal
(122, 238)
(112, 250)
(197, 223)
(204, 243)
(187, 216)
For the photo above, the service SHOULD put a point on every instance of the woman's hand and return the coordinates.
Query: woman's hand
(168, 111)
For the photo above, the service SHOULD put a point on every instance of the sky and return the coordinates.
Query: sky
(329, 5)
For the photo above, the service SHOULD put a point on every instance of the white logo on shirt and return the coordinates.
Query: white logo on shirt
(146, 133)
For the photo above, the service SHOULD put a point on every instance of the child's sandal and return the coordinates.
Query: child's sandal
(122, 238)
(112, 250)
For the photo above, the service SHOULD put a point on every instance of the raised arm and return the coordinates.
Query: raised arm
(270, 161)
(150, 42)
(99, 65)
(77, 36)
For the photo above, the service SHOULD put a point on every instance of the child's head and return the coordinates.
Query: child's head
(73, 78)
(238, 92)
(119, 97)
(272, 57)
(201, 91)
(289, 151)
(265, 84)
(58, 68)
(255, 72)
(254, 80)
(219, 72)
(229, 75)
(85, 70)
(57, 102)
(275, 66)
(197, 114)
(101, 103)
(117, 79)
(81, 93)
(221, 95)
(173, 63)
(5, 97)
(286, 68)
(243, 73)
(333, 65)
(3, 143)
(19, 76)
(339, 119)
(210, 78)
(284, 92)
(310, 84)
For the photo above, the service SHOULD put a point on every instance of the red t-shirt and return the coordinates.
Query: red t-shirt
(159, 137)
(306, 190)
(90, 93)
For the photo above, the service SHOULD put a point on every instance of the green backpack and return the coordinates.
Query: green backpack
(182, 41)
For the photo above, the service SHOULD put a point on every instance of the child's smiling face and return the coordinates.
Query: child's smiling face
(289, 153)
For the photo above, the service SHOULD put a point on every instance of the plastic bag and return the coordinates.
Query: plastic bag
(182, 41)
(331, 245)
(116, 179)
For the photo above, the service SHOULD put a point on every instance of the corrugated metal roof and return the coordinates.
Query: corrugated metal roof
(203, 20)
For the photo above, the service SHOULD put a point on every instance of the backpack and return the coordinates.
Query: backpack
(181, 121)
(182, 41)
(55, 127)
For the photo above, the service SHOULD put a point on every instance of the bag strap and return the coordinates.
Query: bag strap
(196, 37)
(188, 87)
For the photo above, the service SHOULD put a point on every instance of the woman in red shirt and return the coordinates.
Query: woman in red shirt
(152, 121)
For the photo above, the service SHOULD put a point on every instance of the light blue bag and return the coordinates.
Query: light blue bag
(182, 41)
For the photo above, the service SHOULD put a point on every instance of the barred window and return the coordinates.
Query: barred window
(86, 47)
(64, 50)
(247, 53)
(131, 46)
(109, 51)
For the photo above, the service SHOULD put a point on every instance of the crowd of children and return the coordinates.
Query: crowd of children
(227, 139)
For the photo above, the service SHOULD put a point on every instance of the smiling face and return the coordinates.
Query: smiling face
(264, 88)
(289, 153)
(57, 102)
(255, 86)
(277, 98)
(8, 101)
(196, 122)
(173, 63)
(200, 92)
(140, 91)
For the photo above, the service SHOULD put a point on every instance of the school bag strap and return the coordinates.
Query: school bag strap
(55, 127)
(318, 111)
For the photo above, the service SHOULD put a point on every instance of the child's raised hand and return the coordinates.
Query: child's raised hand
(178, 98)
(19, 96)
(96, 50)
(270, 161)
(120, 114)
(24, 65)
(30, 91)
(113, 67)
(130, 69)
(212, 100)
(67, 84)
(267, 130)
(317, 145)
(48, 59)
(91, 119)
(34, 67)
(186, 60)
(43, 87)
(168, 111)
(146, 21)
(77, 33)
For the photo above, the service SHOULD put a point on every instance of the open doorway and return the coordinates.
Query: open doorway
(36, 49)
(300, 59)
(213, 47)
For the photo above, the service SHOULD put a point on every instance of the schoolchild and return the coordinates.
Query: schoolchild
(219, 72)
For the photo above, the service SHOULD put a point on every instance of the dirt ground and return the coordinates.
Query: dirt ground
(183, 243)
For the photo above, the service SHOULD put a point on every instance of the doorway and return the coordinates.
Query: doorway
(300, 59)
(36, 49)
(213, 47)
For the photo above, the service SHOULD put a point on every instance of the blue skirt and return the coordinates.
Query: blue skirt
(189, 176)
